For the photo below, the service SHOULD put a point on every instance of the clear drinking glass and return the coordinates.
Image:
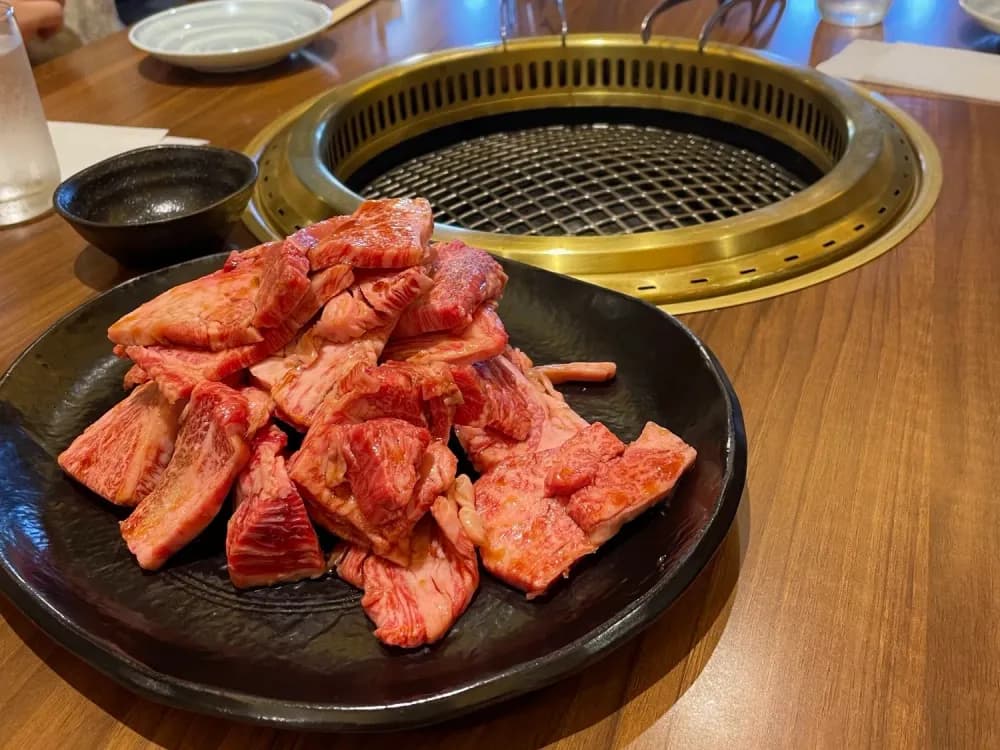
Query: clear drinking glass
(853, 12)
(29, 171)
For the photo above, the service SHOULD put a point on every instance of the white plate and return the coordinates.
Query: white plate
(230, 35)
(987, 12)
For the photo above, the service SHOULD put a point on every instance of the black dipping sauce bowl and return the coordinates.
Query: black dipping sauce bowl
(156, 206)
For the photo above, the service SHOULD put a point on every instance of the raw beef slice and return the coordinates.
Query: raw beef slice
(301, 381)
(579, 372)
(284, 283)
(418, 603)
(625, 487)
(372, 303)
(177, 370)
(512, 395)
(483, 338)
(390, 233)
(302, 377)
(577, 461)
(464, 278)
(211, 450)
(423, 395)
(212, 312)
(370, 483)
(270, 538)
(526, 537)
(122, 455)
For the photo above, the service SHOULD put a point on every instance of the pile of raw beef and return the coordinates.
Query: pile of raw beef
(375, 346)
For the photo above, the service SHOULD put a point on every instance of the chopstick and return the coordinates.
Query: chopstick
(344, 10)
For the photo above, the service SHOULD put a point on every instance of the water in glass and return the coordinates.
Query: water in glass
(853, 12)
(29, 171)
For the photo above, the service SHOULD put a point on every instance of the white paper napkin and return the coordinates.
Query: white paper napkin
(941, 70)
(80, 144)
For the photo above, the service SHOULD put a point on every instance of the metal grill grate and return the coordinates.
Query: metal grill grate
(594, 179)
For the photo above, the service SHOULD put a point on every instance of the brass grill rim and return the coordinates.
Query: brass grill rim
(779, 262)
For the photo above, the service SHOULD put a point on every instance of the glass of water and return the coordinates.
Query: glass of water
(853, 12)
(29, 171)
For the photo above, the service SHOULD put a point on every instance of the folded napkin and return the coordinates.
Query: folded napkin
(940, 70)
(81, 144)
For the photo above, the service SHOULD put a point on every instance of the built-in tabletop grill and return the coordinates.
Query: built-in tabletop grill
(692, 178)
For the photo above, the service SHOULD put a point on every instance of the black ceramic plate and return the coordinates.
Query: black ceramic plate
(303, 654)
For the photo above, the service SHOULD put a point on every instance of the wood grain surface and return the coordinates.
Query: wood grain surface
(856, 603)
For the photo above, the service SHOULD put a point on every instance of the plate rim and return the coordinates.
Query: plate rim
(973, 9)
(227, 55)
(442, 706)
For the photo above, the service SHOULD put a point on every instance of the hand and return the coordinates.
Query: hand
(41, 18)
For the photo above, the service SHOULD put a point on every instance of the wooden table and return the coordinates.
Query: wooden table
(856, 602)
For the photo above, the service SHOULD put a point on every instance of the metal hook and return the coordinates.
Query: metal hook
(719, 16)
(646, 29)
(506, 23)
(563, 25)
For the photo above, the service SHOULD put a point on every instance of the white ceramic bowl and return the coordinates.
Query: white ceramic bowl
(987, 12)
(222, 36)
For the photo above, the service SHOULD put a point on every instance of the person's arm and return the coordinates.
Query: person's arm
(40, 18)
